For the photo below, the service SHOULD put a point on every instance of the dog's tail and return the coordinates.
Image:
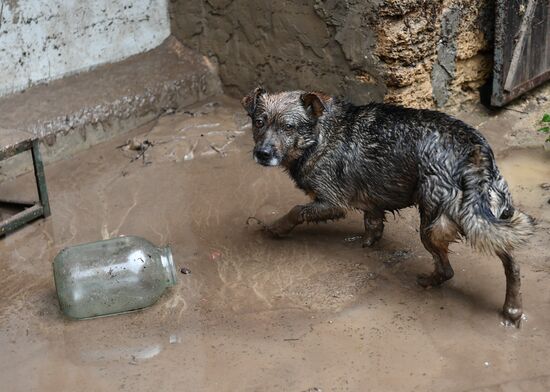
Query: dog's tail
(488, 218)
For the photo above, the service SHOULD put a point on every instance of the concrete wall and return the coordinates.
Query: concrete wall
(41, 40)
(420, 53)
(323, 45)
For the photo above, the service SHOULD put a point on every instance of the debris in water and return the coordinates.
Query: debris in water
(218, 150)
(253, 219)
(353, 238)
(545, 186)
(372, 275)
(185, 271)
(137, 144)
(143, 147)
(396, 257)
(215, 254)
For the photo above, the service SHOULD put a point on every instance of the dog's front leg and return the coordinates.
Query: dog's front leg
(313, 212)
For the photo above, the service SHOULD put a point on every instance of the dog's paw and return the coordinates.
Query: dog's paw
(425, 280)
(430, 280)
(371, 239)
(436, 278)
(275, 230)
(512, 317)
(369, 242)
(254, 220)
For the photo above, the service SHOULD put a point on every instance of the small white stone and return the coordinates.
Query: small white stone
(175, 339)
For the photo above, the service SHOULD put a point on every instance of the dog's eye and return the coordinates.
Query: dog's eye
(289, 127)
(259, 123)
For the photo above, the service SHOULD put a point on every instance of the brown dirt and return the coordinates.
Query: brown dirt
(311, 311)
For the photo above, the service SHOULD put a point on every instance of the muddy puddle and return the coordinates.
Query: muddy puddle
(311, 312)
(528, 174)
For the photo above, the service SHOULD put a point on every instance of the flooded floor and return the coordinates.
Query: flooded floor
(313, 312)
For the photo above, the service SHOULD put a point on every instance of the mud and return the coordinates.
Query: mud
(415, 52)
(312, 312)
(317, 45)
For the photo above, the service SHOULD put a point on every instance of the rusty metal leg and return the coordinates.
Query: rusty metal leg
(40, 178)
(13, 143)
(20, 219)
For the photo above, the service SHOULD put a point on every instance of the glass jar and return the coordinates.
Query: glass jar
(111, 276)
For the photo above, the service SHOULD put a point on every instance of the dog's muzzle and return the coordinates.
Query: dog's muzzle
(266, 156)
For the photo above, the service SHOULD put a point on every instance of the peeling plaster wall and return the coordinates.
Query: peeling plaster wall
(420, 53)
(309, 44)
(42, 40)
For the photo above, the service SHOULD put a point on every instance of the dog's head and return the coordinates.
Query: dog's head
(283, 124)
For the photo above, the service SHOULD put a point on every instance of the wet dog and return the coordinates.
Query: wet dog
(378, 158)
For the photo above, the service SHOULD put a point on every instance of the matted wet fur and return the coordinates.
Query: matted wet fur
(379, 158)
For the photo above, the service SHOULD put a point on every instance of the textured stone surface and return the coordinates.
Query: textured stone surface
(434, 53)
(409, 39)
(444, 68)
(470, 75)
(401, 7)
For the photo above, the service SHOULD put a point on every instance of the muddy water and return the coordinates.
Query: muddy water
(311, 311)
(528, 174)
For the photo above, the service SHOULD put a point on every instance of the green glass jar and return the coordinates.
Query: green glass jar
(111, 276)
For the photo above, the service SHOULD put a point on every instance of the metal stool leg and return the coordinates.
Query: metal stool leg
(13, 142)
(40, 178)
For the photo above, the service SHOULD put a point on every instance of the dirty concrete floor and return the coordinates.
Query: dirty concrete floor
(311, 312)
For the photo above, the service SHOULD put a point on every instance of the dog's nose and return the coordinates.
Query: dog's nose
(263, 154)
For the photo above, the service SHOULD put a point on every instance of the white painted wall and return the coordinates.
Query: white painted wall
(42, 40)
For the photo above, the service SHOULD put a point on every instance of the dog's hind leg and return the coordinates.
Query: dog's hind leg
(512, 309)
(436, 237)
(374, 227)
(310, 213)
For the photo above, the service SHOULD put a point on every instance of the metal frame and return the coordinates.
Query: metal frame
(35, 210)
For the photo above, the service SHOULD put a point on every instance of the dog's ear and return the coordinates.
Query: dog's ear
(250, 101)
(314, 103)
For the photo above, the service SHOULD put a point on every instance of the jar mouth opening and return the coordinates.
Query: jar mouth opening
(168, 262)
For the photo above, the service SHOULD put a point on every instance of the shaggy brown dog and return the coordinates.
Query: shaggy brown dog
(379, 158)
